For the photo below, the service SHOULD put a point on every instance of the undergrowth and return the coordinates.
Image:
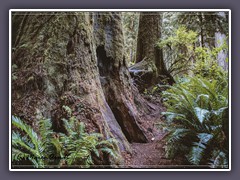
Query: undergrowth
(197, 121)
(45, 148)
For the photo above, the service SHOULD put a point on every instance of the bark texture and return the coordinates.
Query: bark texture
(57, 65)
(149, 33)
(114, 74)
(149, 59)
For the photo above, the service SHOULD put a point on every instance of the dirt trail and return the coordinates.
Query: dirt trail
(151, 154)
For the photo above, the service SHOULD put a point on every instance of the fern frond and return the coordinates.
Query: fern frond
(196, 115)
(201, 114)
(28, 130)
(109, 151)
(196, 154)
(18, 155)
(219, 160)
(17, 141)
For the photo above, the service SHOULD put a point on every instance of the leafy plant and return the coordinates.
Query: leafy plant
(14, 74)
(205, 58)
(48, 148)
(80, 147)
(28, 145)
(197, 121)
(130, 29)
(183, 55)
(179, 50)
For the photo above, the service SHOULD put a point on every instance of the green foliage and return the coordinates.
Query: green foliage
(189, 35)
(67, 109)
(205, 58)
(14, 74)
(196, 121)
(219, 159)
(179, 50)
(130, 29)
(205, 23)
(27, 145)
(170, 23)
(154, 90)
(81, 146)
(182, 37)
(47, 148)
(182, 55)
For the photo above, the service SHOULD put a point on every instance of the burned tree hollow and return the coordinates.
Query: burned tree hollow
(104, 63)
(121, 108)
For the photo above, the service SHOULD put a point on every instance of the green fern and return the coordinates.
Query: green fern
(75, 148)
(219, 160)
(27, 147)
(80, 146)
(198, 148)
(196, 114)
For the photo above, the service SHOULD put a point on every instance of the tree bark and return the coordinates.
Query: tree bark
(149, 33)
(57, 65)
(114, 75)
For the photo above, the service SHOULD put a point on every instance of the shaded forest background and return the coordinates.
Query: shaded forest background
(93, 89)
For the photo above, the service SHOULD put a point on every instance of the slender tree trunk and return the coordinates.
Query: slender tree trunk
(220, 38)
(200, 16)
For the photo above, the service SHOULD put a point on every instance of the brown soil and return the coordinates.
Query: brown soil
(151, 154)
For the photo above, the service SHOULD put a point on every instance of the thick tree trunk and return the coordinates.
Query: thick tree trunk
(114, 75)
(148, 35)
(57, 65)
(149, 59)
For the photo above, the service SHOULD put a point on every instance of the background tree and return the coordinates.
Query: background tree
(149, 59)
(130, 28)
(184, 33)
(205, 24)
(212, 28)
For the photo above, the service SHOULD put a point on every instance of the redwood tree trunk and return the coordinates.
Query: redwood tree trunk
(57, 65)
(149, 33)
(114, 75)
(149, 65)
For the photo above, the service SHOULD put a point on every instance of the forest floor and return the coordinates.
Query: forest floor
(152, 153)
